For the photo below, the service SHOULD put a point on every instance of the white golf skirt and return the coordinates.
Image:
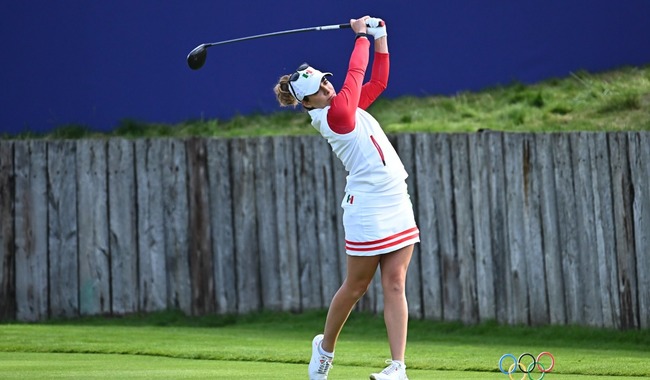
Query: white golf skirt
(376, 224)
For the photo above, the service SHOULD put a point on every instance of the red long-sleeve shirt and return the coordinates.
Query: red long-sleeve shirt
(353, 93)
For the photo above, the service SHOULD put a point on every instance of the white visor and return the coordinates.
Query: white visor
(308, 82)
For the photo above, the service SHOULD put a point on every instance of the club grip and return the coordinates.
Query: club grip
(331, 27)
(342, 26)
(338, 26)
(345, 26)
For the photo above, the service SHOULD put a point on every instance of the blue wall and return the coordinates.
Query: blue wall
(98, 62)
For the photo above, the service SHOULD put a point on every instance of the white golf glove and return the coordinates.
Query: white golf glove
(376, 27)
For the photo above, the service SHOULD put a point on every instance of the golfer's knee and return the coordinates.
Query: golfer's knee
(395, 284)
(356, 290)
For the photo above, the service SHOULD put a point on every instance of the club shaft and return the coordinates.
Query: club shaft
(292, 31)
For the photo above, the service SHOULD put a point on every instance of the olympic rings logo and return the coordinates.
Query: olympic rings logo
(527, 369)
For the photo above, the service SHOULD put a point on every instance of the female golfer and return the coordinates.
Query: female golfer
(380, 228)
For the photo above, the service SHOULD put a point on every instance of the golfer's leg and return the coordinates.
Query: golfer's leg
(393, 279)
(360, 271)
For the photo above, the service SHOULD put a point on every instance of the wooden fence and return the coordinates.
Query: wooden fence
(518, 228)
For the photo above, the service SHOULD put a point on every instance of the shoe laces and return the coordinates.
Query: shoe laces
(325, 365)
(392, 367)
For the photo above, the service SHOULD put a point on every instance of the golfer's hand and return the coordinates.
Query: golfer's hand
(359, 25)
(376, 27)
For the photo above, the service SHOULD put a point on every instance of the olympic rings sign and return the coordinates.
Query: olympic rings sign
(527, 369)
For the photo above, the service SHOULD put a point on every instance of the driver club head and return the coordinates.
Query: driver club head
(196, 58)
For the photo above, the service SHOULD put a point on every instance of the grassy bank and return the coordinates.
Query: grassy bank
(616, 100)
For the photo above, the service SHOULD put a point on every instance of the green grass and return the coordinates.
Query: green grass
(170, 345)
(616, 100)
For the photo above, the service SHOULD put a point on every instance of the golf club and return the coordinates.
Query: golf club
(196, 58)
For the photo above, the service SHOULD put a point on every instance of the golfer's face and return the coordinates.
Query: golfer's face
(323, 97)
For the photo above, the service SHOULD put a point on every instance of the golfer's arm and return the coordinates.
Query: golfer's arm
(342, 113)
(381, 45)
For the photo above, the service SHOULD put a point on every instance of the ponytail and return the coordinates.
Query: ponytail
(282, 93)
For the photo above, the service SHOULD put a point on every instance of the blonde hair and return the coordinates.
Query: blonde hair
(282, 93)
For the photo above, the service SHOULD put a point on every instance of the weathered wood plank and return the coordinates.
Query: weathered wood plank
(200, 239)
(245, 219)
(550, 227)
(517, 275)
(449, 265)
(604, 230)
(176, 223)
(123, 226)
(623, 197)
(7, 233)
(285, 220)
(482, 225)
(405, 145)
(327, 201)
(590, 286)
(537, 299)
(464, 227)
(31, 230)
(94, 251)
(340, 175)
(62, 225)
(568, 238)
(152, 272)
(429, 268)
(639, 154)
(223, 241)
(266, 211)
(310, 275)
(498, 215)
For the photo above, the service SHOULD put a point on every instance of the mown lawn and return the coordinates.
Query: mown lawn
(276, 346)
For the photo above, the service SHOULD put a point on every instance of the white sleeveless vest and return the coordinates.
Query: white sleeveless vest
(371, 161)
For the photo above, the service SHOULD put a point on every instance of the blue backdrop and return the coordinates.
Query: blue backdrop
(98, 62)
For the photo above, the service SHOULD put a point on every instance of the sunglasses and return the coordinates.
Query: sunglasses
(294, 77)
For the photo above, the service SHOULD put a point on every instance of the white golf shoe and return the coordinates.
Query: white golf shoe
(394, 371)
(320, 364)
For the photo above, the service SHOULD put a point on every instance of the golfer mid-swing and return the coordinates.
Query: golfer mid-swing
(380, 228)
